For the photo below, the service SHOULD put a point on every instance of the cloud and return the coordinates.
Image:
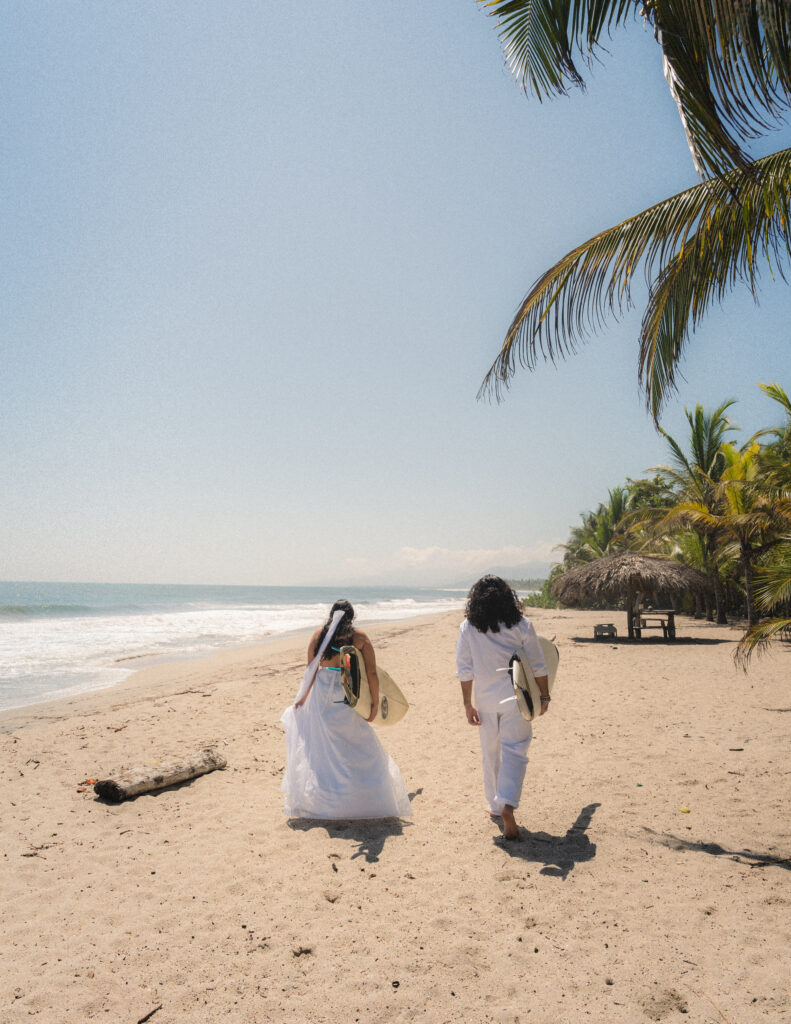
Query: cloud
(475, 558)
(442, 565)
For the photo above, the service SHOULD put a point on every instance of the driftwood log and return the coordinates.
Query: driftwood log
(144, 780)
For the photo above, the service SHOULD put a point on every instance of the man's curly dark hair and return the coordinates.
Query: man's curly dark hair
(492, 603)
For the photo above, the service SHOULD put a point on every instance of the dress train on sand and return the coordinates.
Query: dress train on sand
(336, 767)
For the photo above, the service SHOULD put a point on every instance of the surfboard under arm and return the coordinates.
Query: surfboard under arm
(393, 705)
(526, 691)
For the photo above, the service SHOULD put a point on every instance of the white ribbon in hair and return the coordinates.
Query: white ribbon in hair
(313, 667)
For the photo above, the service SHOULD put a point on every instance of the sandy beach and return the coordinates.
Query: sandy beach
(202, 903)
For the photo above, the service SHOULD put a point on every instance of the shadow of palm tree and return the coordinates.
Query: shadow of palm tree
(558, 854)
(755, 860)
(370, 834)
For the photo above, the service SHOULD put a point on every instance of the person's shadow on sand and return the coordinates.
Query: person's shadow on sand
(558, 854)
(370, 834)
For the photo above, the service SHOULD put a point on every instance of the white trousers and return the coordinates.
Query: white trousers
(505, 737)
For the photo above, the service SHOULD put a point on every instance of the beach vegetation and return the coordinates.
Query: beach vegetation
(717, 506)
(741, 517)
(544, 598)
(533, 583)
(692, 477)
(773, 574)
(604, 531)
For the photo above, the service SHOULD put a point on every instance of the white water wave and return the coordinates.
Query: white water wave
(46, 659)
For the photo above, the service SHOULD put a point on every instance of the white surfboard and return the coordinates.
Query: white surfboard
(524, 682)
(393, 705)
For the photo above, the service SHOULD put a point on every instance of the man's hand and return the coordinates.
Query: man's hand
(466, 696)
(543, 686)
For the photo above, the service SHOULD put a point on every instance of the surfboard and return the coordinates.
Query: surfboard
(524, 682)
(393, 705)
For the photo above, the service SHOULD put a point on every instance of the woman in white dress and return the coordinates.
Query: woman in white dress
(335, 765)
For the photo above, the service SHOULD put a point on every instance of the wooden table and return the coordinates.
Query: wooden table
(654, 618)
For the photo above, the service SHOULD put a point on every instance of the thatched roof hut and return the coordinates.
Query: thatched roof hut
(624, 576)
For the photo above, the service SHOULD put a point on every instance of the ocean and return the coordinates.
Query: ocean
(59, 639)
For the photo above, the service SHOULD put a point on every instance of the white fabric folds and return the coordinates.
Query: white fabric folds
(335, 765)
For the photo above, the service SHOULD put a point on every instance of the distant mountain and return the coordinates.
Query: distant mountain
(531, 584)
(521, 577)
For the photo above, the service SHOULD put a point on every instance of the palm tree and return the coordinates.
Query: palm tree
(694, 478)
(728, 67)
(690, 549)
(772, 592)
(773, 578)
(776, 455)
(602, 532)
(655, 492)
(744, 513)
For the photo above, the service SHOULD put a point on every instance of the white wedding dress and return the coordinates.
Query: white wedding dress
(335, 765)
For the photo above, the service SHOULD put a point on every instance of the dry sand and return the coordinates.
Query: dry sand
(203, 904)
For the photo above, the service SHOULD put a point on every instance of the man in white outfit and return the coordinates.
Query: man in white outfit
(492, 631)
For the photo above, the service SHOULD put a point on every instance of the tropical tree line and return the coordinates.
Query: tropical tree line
(717, 505)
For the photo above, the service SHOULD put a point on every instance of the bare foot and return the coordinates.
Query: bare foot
(510, 827)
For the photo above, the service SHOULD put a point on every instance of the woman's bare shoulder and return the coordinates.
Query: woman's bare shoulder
(313, 642)
(360, 639)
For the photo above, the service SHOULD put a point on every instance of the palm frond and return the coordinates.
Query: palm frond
(692, 247)
(773, 581)
(707, 432)
(778, 394)
(728, 65)
(759, 638)
(540, 38)
(733, 233)
(729, 69)
(694, 514)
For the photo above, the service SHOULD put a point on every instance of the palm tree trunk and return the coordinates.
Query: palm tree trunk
(630, 614)
(719, 598)
(748, 586)
(709, 546)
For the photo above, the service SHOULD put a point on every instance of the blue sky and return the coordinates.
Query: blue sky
(257, 259)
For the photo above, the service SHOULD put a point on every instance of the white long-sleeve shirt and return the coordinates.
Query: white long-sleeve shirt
(484, 658)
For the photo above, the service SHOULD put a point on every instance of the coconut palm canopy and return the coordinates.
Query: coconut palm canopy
(626, 574)
(728, 69)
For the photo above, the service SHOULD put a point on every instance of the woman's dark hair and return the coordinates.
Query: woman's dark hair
(345, 631)
(491, 603)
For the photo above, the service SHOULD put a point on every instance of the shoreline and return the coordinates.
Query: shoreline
(162, 673)
(61, 640)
